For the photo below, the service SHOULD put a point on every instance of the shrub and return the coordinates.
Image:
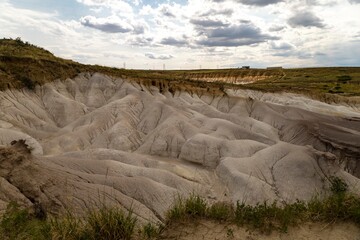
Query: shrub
(67, 228)
(177, 211)
(195, 206)
(220, 211)
(26, 81)
(110, 224)
(18, 223)
(151, 231)
(338, 185)
(344, 78)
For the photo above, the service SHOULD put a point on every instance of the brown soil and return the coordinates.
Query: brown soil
(213, 230)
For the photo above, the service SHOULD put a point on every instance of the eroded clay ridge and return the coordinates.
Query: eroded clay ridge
(100, 140)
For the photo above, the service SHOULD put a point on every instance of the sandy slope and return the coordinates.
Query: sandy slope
(214, 230)
(96, 139)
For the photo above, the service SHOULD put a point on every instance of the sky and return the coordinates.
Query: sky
(190, 34)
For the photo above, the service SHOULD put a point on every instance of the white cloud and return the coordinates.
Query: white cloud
(111, 24)
(208, 32)
(118, 6)
(158, 56)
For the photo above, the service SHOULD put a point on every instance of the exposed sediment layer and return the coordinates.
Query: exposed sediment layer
(100, 140)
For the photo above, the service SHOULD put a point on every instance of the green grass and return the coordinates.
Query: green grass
(151, 231)
(25, 65)
(114, 223)
(102, 224)
(19, 224)
(266, 217)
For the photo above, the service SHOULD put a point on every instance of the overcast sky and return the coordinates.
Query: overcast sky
(188, 34)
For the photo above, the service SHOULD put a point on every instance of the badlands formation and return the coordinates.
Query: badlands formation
(100, 140)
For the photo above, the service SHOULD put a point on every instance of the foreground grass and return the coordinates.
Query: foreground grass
(114, 223)
(267, 217)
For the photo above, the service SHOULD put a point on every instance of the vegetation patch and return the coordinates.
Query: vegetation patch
(114, 223)
(25, 65)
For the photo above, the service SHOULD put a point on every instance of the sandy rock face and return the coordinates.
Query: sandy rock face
(98, 140)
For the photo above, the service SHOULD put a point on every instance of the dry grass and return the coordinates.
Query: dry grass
(114, 223)
(25, 65)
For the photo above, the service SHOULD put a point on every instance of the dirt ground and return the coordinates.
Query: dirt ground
(215, 231)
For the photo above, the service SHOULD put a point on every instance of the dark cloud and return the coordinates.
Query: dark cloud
(161, 56)
(284, 49)
(320, 3)
(233, 36)
(297, 54)
(208, 23)
(305, 19)
(141, 41)
(254, 2)
(354, 1)
(174, 42)
(166, 11)
(227, 12)
(139, 28)
(259, 2)
(106, 24)
(276, 28)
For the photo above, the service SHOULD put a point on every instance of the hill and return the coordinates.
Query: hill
(25, 65)
(203, 144)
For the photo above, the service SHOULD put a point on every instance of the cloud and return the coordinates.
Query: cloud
(118, 6)
(109, 25)
(305, 19)
(354, 1)
(254, 2)
(259, 2)
(208, 23)
(166, 11)
(160, 56)
(139, 26)
(285, 49)
(226, 12)
(321, 2)
(277, 28)
(141, 41)
(234, 36)
(281, 46)
(174, 42)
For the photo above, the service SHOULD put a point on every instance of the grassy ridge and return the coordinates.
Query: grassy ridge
(25, 65)
(337, 80)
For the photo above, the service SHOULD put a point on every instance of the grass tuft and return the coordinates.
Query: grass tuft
(151, 231)
(110, 224)
(18, 223)
(114, 223)
(220, 211)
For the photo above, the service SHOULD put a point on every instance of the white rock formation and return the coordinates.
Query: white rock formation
(99, 140)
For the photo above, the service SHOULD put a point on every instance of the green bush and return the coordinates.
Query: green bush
(338, 185)
(26, 82)
(67, 228)
(18, 223)
(194, 206)
(114, 223)
(110, 224)
(151, 231)
(220, 211)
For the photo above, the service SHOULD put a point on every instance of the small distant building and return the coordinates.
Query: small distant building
(245, 67)
(274, 68)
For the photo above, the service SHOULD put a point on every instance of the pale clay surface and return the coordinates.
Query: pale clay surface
(98, 140)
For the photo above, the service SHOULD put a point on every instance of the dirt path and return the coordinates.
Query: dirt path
(212, 230)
